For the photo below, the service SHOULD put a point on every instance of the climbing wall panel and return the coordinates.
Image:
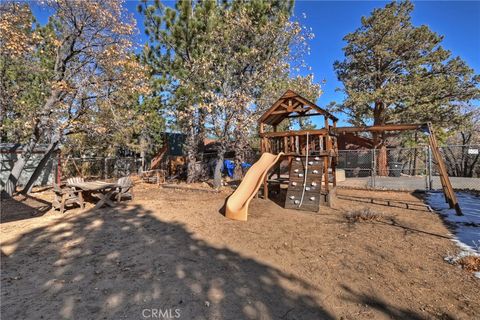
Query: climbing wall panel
(311, 196)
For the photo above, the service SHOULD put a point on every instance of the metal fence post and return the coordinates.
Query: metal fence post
(374, 167)
(427, 174)
(105, 168)
(430, 174)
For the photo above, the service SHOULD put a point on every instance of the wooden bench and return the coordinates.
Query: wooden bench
(124, 189)
(67, 196)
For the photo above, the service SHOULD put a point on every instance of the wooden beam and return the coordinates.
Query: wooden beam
(320, 132)
(291, 110)
(444, 179)
(305, 101)
(387, 127)
(280, 112)
(293, 100)
(261, 128)
(272, 108)
(306, 115)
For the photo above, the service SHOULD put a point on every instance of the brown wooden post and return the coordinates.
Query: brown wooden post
(303, 145)
(262, 139)
(327, 149)
(444, 179)
(325, 170)
(278, 169)
(334, 171)
(265, 187)
(334, 159)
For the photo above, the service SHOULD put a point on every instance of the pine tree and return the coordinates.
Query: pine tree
(216, 60)
(396, 72)
(178, 37)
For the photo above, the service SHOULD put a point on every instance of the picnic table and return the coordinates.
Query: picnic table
(100, 189)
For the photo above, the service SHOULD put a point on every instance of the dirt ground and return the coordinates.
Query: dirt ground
(173, 251)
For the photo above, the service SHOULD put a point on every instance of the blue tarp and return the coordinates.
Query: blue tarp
(229, 166)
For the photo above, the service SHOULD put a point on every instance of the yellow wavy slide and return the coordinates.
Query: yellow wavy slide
(237, 204)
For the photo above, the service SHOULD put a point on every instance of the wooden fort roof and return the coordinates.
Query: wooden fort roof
(292, 105)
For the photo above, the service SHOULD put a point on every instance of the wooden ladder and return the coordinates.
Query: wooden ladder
(450, 196)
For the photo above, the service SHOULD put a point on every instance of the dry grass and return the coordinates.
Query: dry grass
(362, 215)
(470, 263)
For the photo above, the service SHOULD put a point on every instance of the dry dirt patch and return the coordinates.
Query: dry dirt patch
(172, 249)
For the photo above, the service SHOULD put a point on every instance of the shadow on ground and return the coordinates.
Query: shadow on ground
(117, 263)
(21, 207)
(380, 305)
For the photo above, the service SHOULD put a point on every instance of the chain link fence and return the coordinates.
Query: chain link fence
(99, 168)
(409, 168)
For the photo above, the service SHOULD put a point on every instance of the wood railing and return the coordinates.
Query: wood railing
(295, 142)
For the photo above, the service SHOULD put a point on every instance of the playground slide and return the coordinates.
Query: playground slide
(237, 204)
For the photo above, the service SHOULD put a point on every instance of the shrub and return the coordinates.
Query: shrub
(470, 263)
(362, 215)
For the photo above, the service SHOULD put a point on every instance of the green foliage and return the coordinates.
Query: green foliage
(396, 72)
(25, 73)
(215, 64)
(218, 58)
(76, 75)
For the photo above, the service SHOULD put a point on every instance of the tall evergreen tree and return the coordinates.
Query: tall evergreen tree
(178, 37)
(396, 72)
(214, 61)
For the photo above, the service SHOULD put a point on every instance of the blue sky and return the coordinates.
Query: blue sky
(457, 21)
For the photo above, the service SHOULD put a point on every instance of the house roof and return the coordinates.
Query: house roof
(292, 105)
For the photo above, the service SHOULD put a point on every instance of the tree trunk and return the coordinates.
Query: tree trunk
(144, 147)
(239, 159)
(240, 144)
(41, 165)
(191, 146)
(217, 173)
(382, 161)
(201, 135)
(11, 183)
(378, 139)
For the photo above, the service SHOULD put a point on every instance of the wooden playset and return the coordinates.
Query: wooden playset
(311, 154)
(312, 158)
